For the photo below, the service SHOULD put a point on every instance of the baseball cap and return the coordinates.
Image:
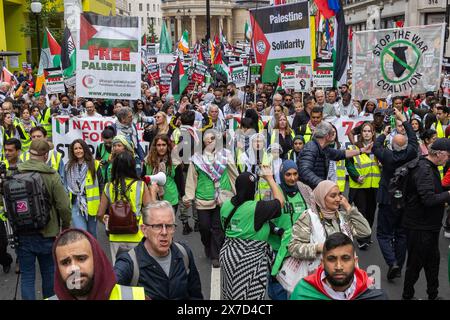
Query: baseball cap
(429, 94)
(441, 144)
(378, 111)
(39, 148)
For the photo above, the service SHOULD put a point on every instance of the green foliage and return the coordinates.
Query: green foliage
(48, 18)
(151, 33)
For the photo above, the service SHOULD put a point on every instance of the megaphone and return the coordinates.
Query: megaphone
(159, 178)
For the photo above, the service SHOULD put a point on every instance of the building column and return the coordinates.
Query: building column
(193, 32)
(229, 32)
(220, 25)
(179, 31)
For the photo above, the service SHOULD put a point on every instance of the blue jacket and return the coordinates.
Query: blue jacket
(178, 286)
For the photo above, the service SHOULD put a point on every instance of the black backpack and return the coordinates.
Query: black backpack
(398, 184)
(26, 202)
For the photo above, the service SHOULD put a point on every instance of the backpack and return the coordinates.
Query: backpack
(26, 202)
(122, 219)
(132, 253)
(398, 184)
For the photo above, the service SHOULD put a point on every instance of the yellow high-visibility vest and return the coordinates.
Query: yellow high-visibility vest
(26, 142)
(341, 174)
(366, 165)
(92, 190)
(275, 133)
(46, 121)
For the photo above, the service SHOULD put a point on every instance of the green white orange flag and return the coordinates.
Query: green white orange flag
(50, 58)
(247, 32)
(183, 44)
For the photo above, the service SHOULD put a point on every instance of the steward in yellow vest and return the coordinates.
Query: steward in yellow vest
(365, 176)
(101, 279)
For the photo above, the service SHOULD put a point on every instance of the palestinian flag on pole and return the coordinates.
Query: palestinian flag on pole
(68, 54)
(279, 84)
(183, 44)
(219, 64)
(50, 58)
(179, 80)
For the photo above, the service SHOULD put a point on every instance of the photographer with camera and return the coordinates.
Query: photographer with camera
(244, 255)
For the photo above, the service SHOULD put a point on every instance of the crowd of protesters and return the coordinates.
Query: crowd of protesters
(259, 173)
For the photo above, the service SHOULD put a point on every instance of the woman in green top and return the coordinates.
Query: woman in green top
(244, 256)
(159, 160)
(104, 150)
(210, 181)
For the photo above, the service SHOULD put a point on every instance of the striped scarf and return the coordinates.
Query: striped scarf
(215, 168)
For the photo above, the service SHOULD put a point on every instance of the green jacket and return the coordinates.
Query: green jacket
(58, 198)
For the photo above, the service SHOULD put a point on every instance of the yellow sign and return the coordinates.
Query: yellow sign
(103, 7)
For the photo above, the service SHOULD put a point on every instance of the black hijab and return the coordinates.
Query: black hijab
(245, 188)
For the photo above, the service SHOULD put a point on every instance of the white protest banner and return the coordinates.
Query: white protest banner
(397, 61)
(67, 129)
(287, 76)
(198, 75)
(166, 64)
(281, 35)
(109, 57)
(238, 75)
(54, 81)
(323, 75)
(302, 76)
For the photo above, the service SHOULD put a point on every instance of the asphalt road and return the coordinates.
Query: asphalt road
(372, 258)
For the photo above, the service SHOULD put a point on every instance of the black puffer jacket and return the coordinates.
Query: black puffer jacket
(314, 162)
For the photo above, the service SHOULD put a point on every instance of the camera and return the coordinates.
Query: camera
(276, 230)
(387, 115)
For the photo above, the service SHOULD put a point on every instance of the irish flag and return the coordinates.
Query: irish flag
(50, 58)
(183, 44)
(179, 80)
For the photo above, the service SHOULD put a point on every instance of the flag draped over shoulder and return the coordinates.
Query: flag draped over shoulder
(179, 80)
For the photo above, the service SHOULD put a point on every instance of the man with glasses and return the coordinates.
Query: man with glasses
(277, 101)
(289, 104)
(165, 269)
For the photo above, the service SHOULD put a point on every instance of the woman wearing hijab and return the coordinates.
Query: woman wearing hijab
(297, 200)
(244, 256)
(322, 219)
(299, 144)
(119, 144)
(96, 277)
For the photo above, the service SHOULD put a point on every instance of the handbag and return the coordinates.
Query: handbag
(122, 219)
(293, 270)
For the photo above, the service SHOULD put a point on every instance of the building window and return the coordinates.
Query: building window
(390, 22)
(158, 7)
(159, 21)
(129, 7)
(140, 6)
(142, 20)
(154, 7)
(148, 6)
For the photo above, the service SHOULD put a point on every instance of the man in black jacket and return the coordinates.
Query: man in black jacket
(424, 210)
(314, 160)
(390, 234)
(164, 268)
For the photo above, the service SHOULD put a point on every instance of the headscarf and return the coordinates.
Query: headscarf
(373, 101)
(299, 137)
(285, 166)
(245, 188)
(104, 276)
(123, 140)
(319, 194)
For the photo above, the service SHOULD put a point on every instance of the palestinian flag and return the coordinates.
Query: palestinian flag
(68, 54)
(200, 57)
(7, 76)
(218, 63)
(106, 32)
(340, 56)
(50, 58)
(279, 41)
(279, 84)
(179, 80)
(183, 44)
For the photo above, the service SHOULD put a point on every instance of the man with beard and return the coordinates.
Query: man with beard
(83, 271)
(65, 108)
(219, 100)
(338, 278)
